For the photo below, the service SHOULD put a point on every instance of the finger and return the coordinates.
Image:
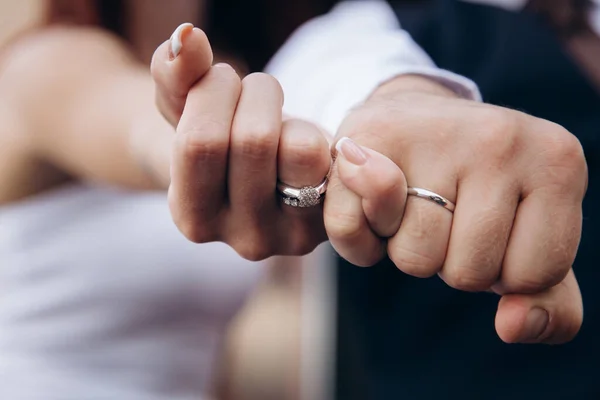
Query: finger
(304, 159)
(485, 210)
(345, 221)
(176, 68)
(553, 316)
(253, 156)
(198, 170)
(380, 183)
(419, 247)
(543, 243)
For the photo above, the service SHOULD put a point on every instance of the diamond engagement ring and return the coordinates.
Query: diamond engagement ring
(307, 196)
(431, 196)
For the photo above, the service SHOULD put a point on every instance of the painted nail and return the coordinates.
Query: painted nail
(535, 324)
(351, 151)
(176, 40)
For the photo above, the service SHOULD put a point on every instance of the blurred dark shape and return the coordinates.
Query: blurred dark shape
(252, 29)
(568, 17)
(256, 29)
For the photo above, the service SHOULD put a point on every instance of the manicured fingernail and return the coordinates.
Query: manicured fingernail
(351, 151)
(535, 324)
(176, 40)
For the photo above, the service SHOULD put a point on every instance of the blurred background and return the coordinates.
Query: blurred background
(266, 354)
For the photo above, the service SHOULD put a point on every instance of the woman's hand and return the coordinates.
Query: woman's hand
(231, 147)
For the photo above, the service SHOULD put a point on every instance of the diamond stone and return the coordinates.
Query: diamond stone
(290, 201)
(309, 197)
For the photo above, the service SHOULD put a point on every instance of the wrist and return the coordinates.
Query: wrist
(413, 84)
(151, 152)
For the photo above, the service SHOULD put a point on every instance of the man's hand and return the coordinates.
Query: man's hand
(517, 182)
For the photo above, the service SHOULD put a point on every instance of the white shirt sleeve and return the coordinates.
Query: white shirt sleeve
(334, 62)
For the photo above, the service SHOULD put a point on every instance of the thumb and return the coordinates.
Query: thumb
(553, 316)
(177, 65)
(377, 180)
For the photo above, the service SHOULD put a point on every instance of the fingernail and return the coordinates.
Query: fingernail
(176, 40)
(351, 151)
(223, 65)
(535, 324)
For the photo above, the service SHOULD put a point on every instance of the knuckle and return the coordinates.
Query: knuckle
(412, 262)
(194, 233)
(252, 249)
(563, 148)
(467, 280)
(470, 279)
(205, 140)
(257, 140)
(367, 259)
(542, 279)
(189, 222)
(573, 153)
(360, 255)
(343, 226)
(304, 150)
(561, 162)
(561, 257)
(226, 77)
(261, 80)
(498, 140)
(424, 224)
(194, 230)
(487, 246)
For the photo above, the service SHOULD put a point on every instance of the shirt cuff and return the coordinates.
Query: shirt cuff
(463, 87)
(333, 63)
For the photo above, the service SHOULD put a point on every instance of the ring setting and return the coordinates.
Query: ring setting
(304, 197)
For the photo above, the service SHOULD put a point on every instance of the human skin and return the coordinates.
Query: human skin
(517, 182)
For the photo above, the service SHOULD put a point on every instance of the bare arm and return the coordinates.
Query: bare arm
(87, 107)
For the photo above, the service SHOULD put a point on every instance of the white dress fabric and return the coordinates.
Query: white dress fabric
(101, 297)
